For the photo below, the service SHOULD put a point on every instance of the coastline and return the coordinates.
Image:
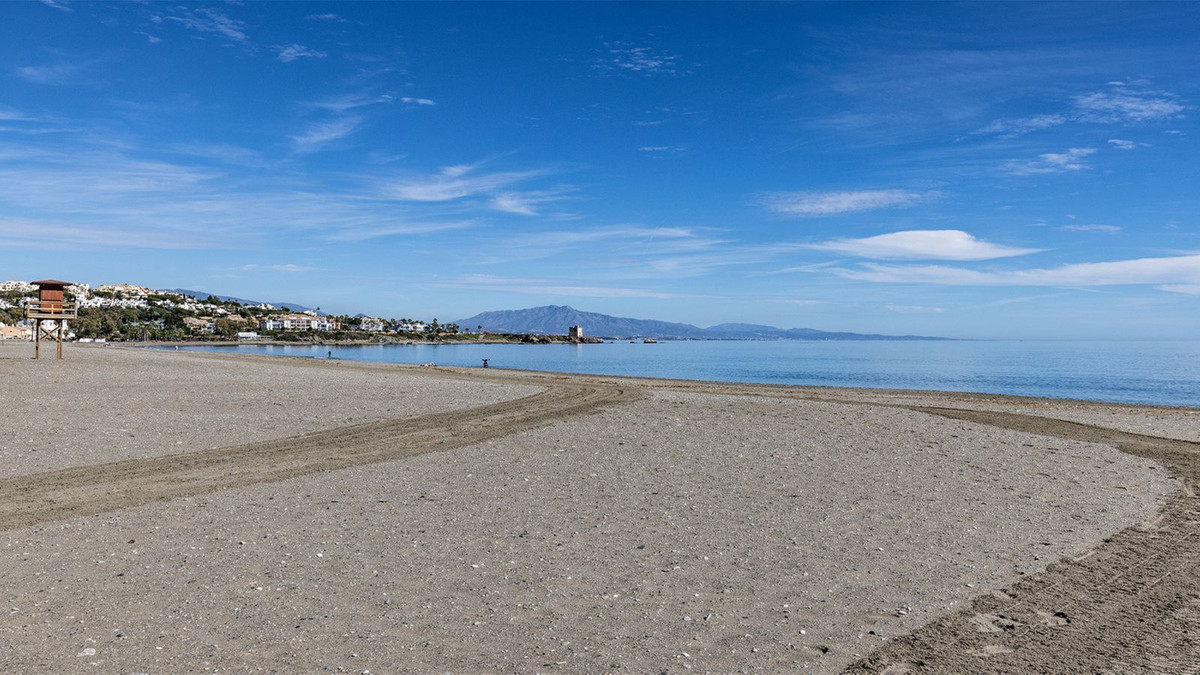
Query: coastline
(723, 487)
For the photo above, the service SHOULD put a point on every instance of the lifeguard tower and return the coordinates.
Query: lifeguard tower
(49, 313)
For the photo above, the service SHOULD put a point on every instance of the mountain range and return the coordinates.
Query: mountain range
(555, 319)
(201, 295)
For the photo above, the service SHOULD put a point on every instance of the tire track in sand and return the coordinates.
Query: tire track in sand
(89, 490)
(1131, 605)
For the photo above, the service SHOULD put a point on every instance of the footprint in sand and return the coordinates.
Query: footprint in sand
(900, 669)
(990, 650)
(1054, 619)
(992, 623)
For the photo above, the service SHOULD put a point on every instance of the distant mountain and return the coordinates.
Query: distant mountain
(201, 295)
(555, 319)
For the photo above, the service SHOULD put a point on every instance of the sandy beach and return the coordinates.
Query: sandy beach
(173, 511)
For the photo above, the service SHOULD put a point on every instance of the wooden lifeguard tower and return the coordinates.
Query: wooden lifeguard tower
(49, 313)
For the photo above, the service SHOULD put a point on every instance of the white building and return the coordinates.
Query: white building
(20, 286)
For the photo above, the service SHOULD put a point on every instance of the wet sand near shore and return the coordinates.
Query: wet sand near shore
(185, 512)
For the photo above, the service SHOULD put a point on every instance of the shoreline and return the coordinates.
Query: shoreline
(496, 511)
(983, 396)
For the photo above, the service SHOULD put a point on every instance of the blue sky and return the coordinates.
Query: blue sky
(976, 170)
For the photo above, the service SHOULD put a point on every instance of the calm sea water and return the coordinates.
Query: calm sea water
(1166, 373)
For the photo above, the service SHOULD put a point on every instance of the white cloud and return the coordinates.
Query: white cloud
(59, 73)
(55, 235)
(280, 268)
(1124, 145)
(1119, 105)
(457, 182)
(1171, 273)
(817, 204)
(348, 102)
(1122, 106)
(525, 204)
(325, 132)
(1052, 162)
(922, 245)
(329, 17)
(1110, 229)
(662, 148)
(1024, 125)
(57, 4)
(913, 309)
(417, 101)
(289, 53)
(207, 20)
(554, 287)
(622, 58)
(82, 198)
(396, 229)
(1187, 289)
(11, 115)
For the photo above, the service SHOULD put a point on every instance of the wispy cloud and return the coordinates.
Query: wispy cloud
(1109, 229)
(44, 234)
(1187, 289)
(625, 251)
(89, 199)
(524, 203)
(322, 133)
(922, 245)
(13, 115)
(209, 20)
(1167, 273)
(1024, 125)
(347, 102)
(913, 309)
(60, 5)
(555, 287)
(1120, 104)
(289, 53)
(288, 267)
(1074, 159)
(1124, 145)
(662, 149)
(59, 73)
(328, 17)
(818, 204)
(1124, 106)
(417, 101)
(620, 57)
(461, 181)
(364, 233)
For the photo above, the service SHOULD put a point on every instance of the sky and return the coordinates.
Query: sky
(979, 170)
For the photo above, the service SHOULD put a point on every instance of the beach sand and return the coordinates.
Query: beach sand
(174, 511)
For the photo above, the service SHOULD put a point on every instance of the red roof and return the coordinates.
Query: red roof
(50, 282)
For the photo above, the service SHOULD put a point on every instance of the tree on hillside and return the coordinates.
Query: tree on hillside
(225, 328)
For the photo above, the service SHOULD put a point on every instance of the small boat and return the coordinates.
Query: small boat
(649, 341)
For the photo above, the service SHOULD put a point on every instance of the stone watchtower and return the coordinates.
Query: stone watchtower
(49, 313)
(575, 333)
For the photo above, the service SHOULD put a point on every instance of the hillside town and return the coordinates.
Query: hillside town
(123, 312)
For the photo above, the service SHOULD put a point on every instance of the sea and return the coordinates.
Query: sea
(1152, 372)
